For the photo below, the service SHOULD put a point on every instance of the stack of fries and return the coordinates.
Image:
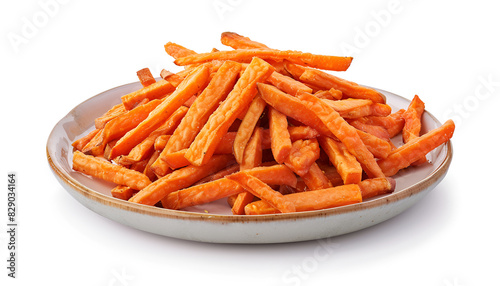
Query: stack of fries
(266, 129)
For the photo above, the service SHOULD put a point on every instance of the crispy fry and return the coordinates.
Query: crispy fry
(312, 200)
(219, 188)
(349, 89)
(281, 144)
(412, 123)
(109, 115)
(177, 51)
(346, 164)
(375, 187)
(236, 41)
(247, 127)
(107, 171)
(260, 189)
(122, 192)
(288, 84)
(145, 77)
(156, 90)
(315, 179)
(179, 179)
(219, 122)
(302, 155)
(410, 152)
(333, 63)
(80, 143)
(190, 86)
(252, 156)
(345, 133)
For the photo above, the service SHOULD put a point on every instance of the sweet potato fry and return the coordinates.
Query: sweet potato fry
(377, 186)
(145, 77)
(247, 127)
(260, 189)
(236, 41)
(219, 122)
(302, 155)
(315, 179)
(80, 143)
(177, 51)
(349, 89)
(317, 61)
(252, 156)
(190, 86)
(288, 84)
(213, 190)
(156, 90)
(331, 94)
(375, 130)
(243, 199)
(107, 171)
(179, 179)
(122, 192)
(312, 200)
(292, 107)
(174, 79)
(346, 164)
(380, 148)
(281, 144)
(204, 105)
(412, 123)
(393, 123)
(344, 132)
(160, 142)
(112, 113)
(410, 152)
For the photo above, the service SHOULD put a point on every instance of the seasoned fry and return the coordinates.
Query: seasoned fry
(281, 144)
(346, 164)
(156, 90)
(247, 127)
(145, 77)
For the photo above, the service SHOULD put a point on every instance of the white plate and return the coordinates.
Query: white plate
(213, 222)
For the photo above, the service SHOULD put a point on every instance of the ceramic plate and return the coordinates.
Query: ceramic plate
(214, 222)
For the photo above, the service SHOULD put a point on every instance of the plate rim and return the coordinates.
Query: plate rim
(103, 199)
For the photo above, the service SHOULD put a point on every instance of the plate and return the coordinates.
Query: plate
(213, 222)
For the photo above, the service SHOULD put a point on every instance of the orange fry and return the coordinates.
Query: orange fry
(189, 87)
(179, 179)
(260, 189)
(312, 200)
(236, 41)
(349, 89)
(247, 127)
(417, 148)
(345, 133)
(302, 155)
(281, 144)
(377, 186)
(107, 171)
(145, 77)
(346, 164)
(245, 55)
(156, 90)
(109, 115)
(223, 117)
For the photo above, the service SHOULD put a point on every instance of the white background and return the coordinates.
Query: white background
(54, 56)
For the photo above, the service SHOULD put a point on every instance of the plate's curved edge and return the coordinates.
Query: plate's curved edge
(436, 175)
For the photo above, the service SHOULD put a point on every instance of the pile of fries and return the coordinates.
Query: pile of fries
(266, 129)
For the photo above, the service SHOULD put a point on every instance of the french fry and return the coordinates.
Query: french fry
(252, 156)
(380, 148)
(281, 144)
(260, 189)
(312, 200)
(173, 78)
(315, 179)
(412, 123)
(302, 155)
(349, 89)
(177, 51)
(219, 188)
(236, 41)
(292, 107)
(179, 179)
(333, 63)
(345, 133)
(145, 77)
(376, 187)
(410, 152)
(122, 192)
(204, 105)
(244, 91)
(156, 90)
(346, 164)
(190, 86)
(80, 143)
(247, 127)
(112, 113)
(288, 84)
(107, 171)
